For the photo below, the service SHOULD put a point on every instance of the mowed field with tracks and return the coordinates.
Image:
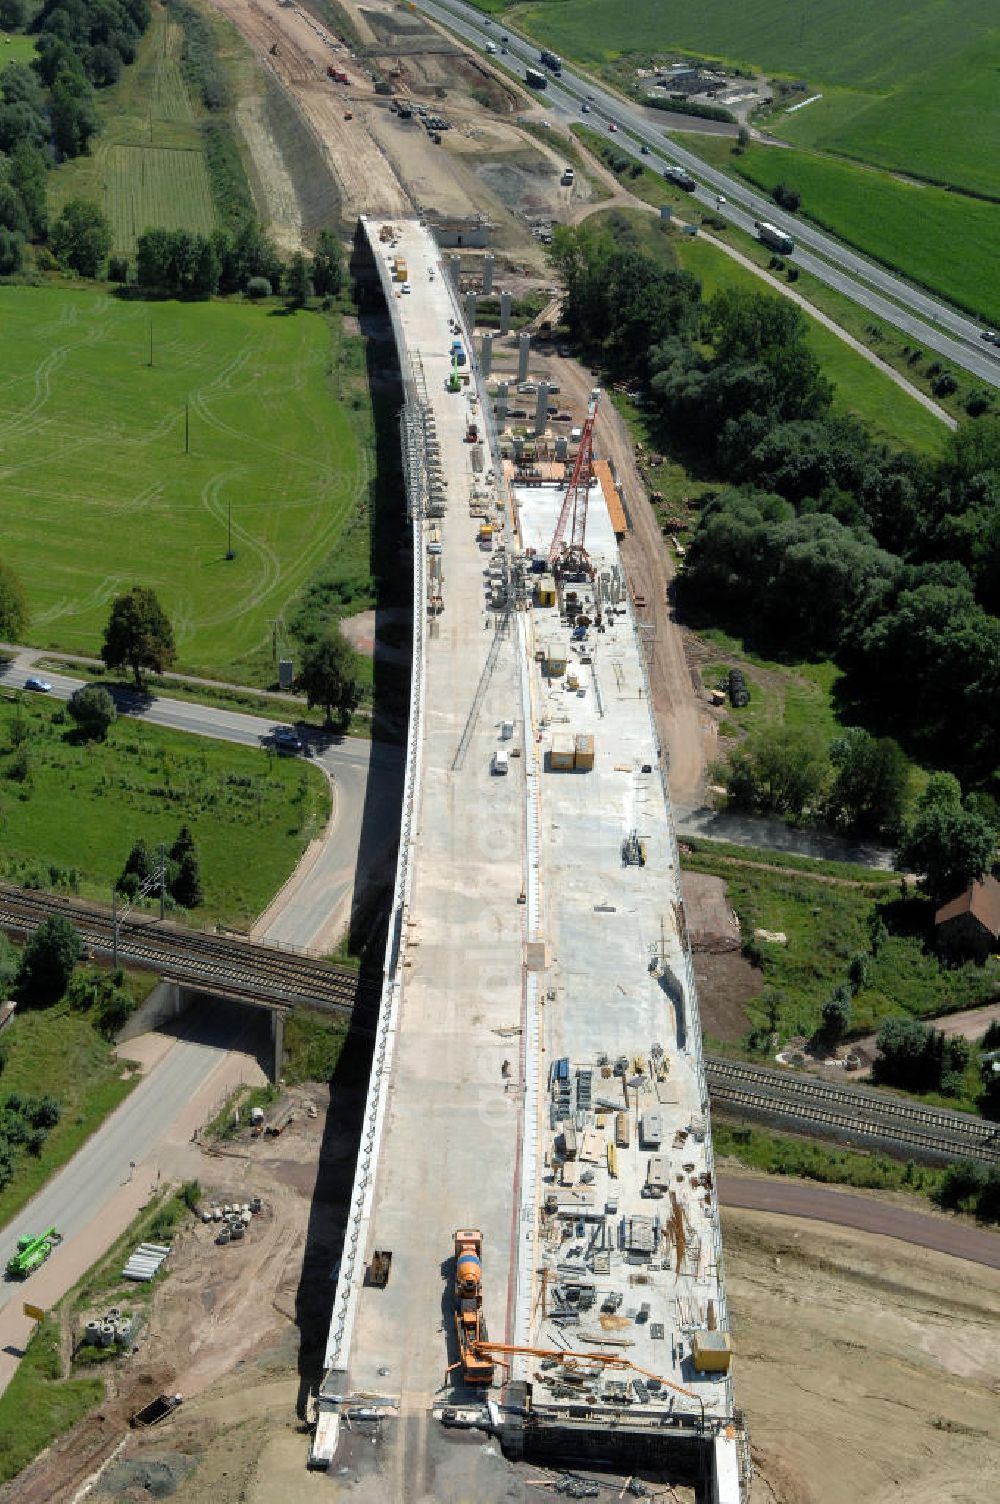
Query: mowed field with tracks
(99, 494)
(147, 166)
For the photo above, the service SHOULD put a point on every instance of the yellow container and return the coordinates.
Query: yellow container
(584, 753)
(712, 1352)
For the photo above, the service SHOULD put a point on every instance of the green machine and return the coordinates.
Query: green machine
(32, 1253)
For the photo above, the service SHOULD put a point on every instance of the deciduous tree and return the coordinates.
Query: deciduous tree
(138, 634)
(328, 676)
(81, 237)
(328, 265)
(48, 961)
(93, 710)
(947, 843)
(14, 614)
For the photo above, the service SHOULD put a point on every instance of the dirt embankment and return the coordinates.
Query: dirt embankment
(867, 1368)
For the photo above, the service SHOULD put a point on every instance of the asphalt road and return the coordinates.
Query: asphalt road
(73, 1197)
(774, 835)
(935, 325)
(366, 785)
(789, 1198)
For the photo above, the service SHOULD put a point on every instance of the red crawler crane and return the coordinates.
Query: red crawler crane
(571, 557)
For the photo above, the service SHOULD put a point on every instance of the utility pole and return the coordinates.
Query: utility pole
(163, 877)
(114, 929)
(151, 344)
(187, 426)
(229, 551)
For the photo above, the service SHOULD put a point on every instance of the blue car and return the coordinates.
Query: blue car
(41, 686)
(287, 740)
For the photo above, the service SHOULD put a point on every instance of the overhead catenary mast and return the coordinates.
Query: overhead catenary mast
(571, 557)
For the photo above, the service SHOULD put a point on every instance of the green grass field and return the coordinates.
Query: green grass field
(799, 696)
(16, 48)
(862, 390)
(38, 1404)
(825, 925)
(56, 1052)
(909, 84)
(83, 806)
(100, 495)
(944, 240)
(148, 163)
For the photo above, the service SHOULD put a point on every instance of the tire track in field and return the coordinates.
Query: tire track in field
(200, 404)
(22, 422)
(270, 576)
(101, 595)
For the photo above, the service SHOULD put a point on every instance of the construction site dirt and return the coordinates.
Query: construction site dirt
(867, 1368)
(222, 1310)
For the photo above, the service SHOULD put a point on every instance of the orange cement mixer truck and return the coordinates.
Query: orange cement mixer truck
(469, 1323)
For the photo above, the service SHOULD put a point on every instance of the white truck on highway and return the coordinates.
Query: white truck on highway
(777, 239)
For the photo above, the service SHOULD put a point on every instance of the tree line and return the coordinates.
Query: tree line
(48, 113)
(47, 108)
(822, 541)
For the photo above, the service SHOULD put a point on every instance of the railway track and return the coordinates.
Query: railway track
(195, 958)
(852, 1114)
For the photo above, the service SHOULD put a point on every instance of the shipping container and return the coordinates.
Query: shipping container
(711, 1352)
(584, 753)
(562, 754)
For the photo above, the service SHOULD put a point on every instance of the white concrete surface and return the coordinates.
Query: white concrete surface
(618, 1007)
(448, 1156)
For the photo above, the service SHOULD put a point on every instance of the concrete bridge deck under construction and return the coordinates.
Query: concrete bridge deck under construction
(538, 1070)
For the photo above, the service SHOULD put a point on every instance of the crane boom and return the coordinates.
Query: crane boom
(577, 493)
(562, 1355)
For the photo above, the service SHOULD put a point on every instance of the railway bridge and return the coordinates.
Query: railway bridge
(193, 963)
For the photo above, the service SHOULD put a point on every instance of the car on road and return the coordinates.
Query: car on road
(40, 686)
(989, 335)
(585, 108)
(612, 126)
(644, 150)
(527, 388)
(287, 741)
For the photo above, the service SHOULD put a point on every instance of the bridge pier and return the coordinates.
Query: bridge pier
(166, 1001)
(278, 1040)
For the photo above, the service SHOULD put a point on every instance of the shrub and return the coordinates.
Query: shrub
(785, 197)
(93, 710)
(48, 961)
(258, 287)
